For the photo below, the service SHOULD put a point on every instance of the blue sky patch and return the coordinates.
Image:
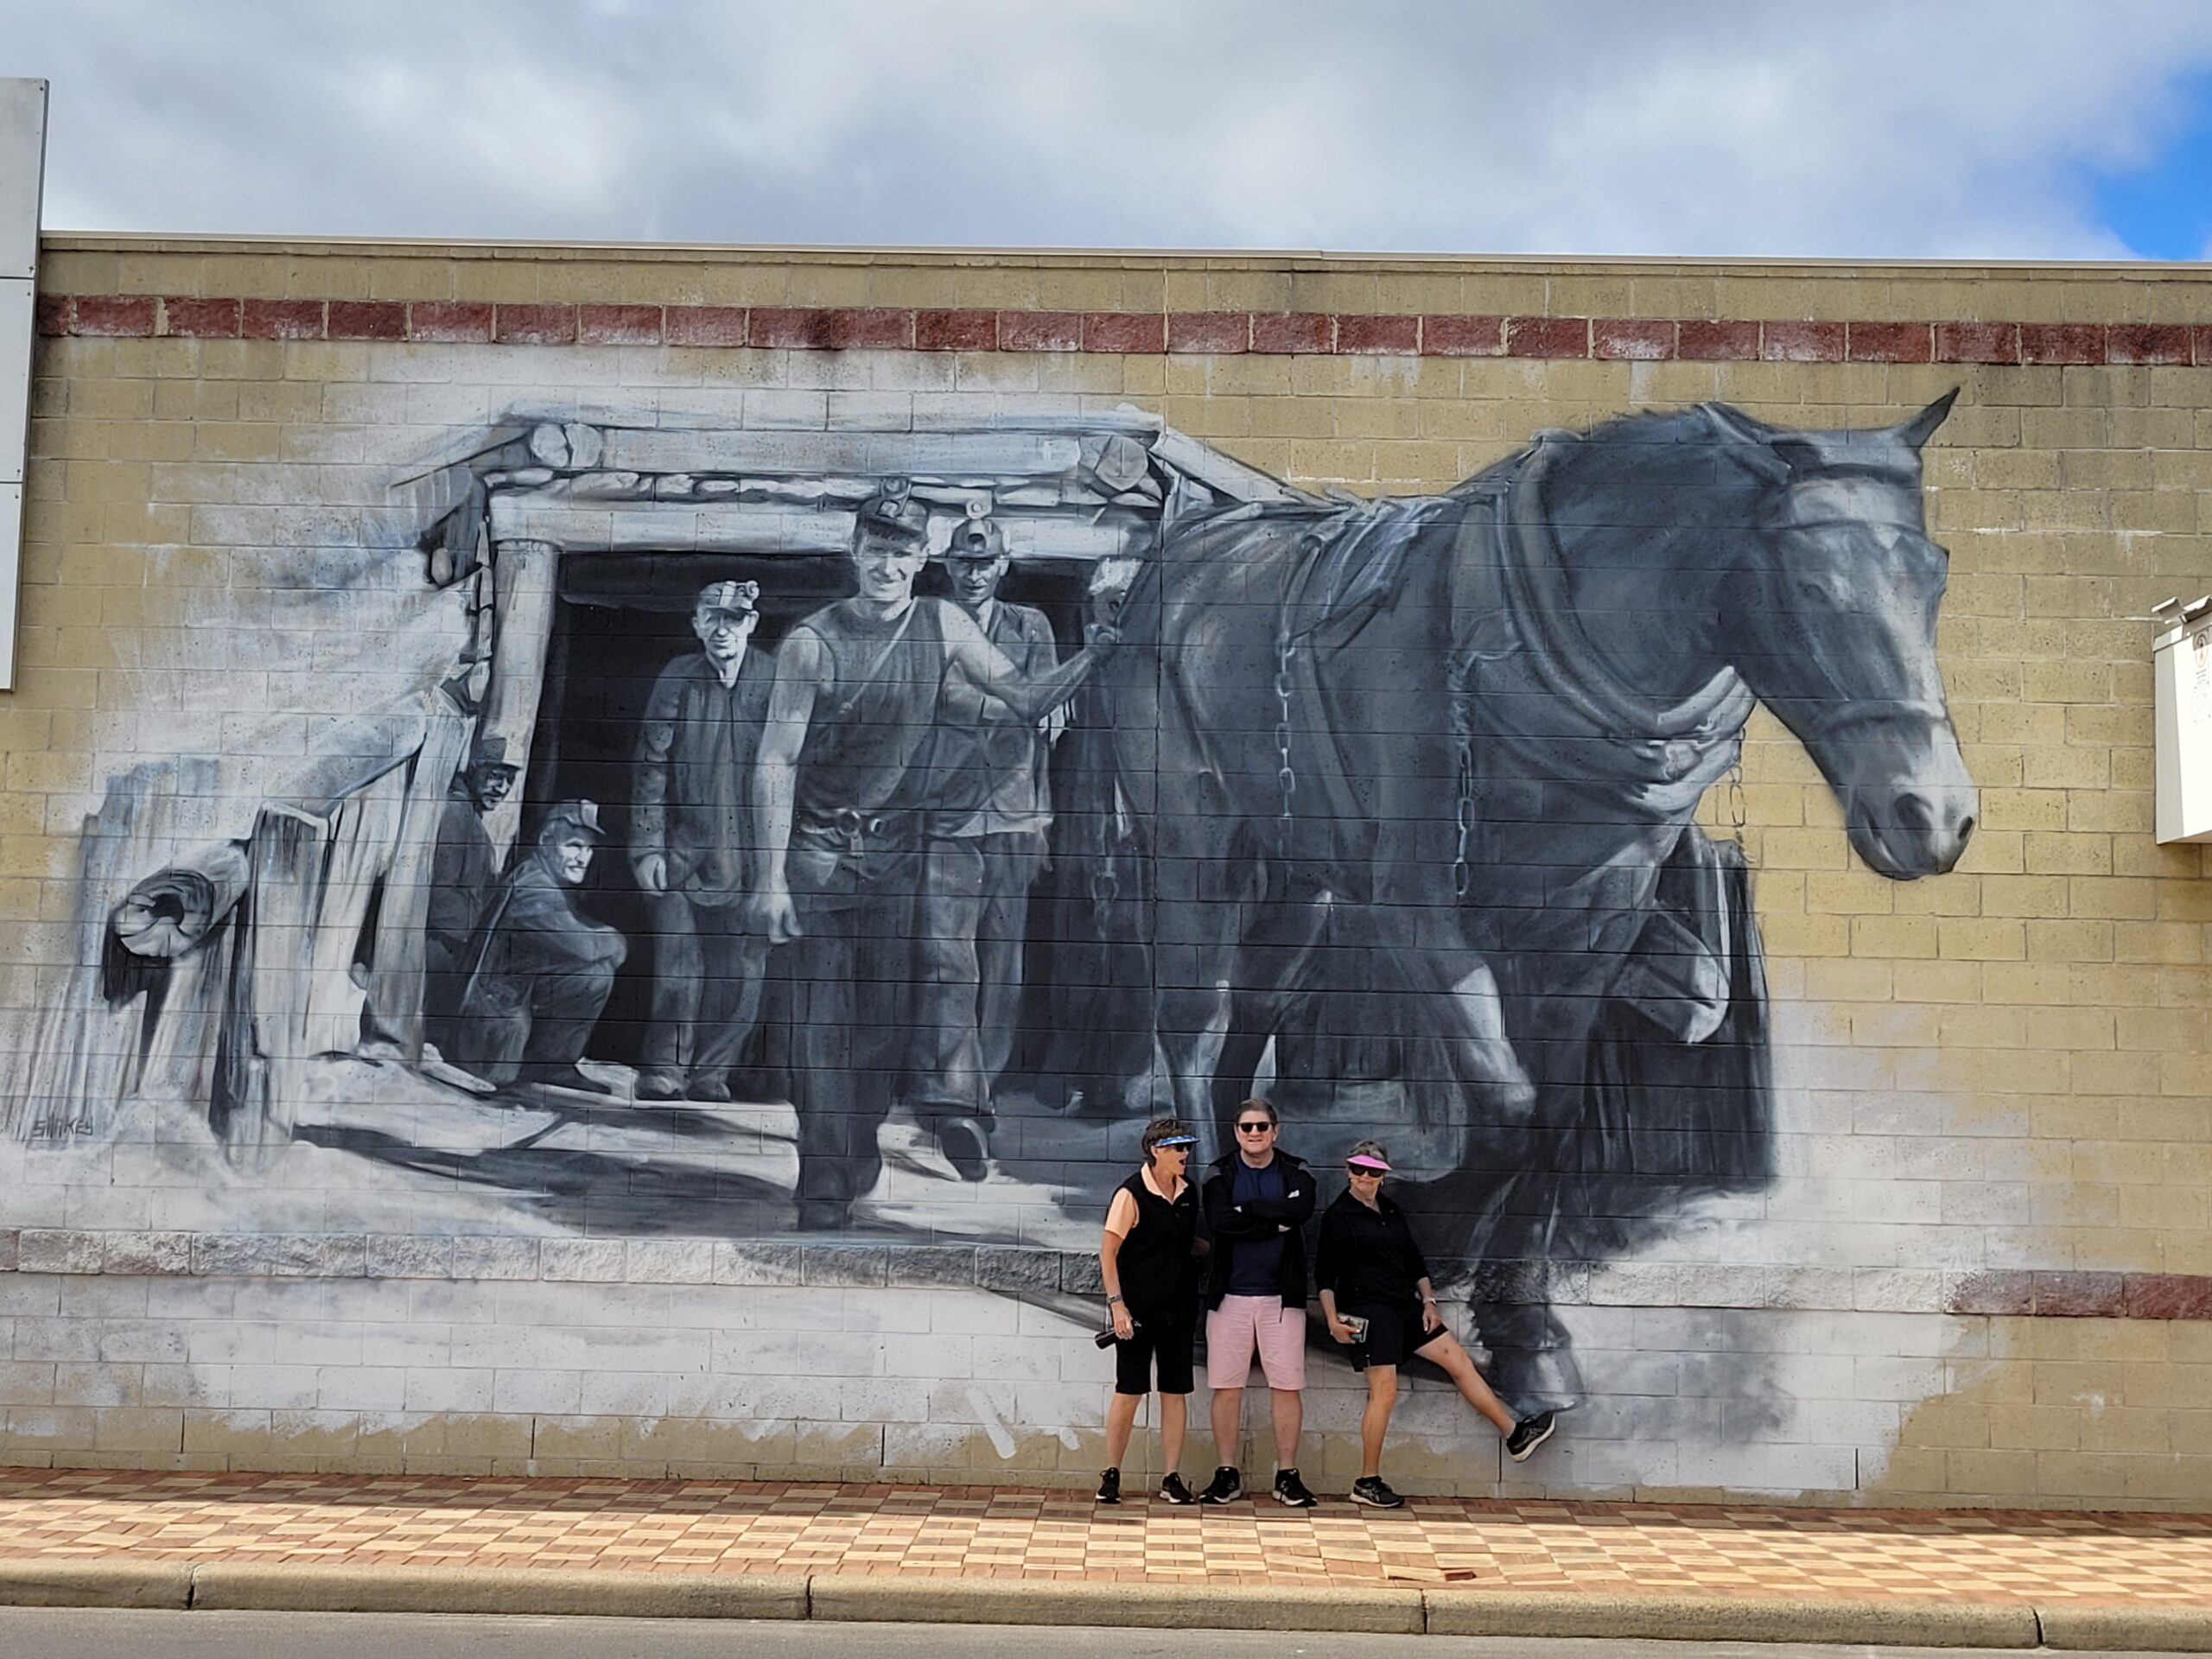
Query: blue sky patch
(2164, 210)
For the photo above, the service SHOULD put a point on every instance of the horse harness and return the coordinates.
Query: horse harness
(1357, 556)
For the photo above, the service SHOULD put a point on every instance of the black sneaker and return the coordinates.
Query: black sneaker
(1109, 1486)
(1375, 1492)
(1291, 1492)
(1530, 1433)
(1172, 1490)
(1226, 1486)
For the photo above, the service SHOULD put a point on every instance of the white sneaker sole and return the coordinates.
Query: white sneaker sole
(1529, 1450)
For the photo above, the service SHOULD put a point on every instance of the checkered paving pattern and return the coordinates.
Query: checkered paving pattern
(993, 1533)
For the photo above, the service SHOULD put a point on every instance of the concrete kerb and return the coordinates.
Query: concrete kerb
(268, 1586)
(1732, 1619)
(2148, 1629)
(259, 1586)
(111, 1583)
(1151, 1606)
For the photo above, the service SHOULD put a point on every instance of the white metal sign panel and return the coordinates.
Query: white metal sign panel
(22, 166)
(2181, 678)
(16, 365)
(22, 178)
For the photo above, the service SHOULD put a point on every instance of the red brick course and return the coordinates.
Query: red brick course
(2147, 342)
(1400, 335)
(1125, 333)
(1041, 331)
(1889, 342)
(448, 322)
(534, 325)
(618, 325)
(283, 320)
(368, 319)
(1632, 338)
(1220, 332)
(1144, 332)
(2018, 1294)
(1293, 333)
(1547, 336)
(1977, 342)
(956, 331)
(1697, 341)
(1463, 336)
(706, 325)
(2062, 342)
(123, 315)
(1803, 342)
(200, 318)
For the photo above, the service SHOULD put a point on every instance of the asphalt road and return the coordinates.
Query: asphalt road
(89, 1633)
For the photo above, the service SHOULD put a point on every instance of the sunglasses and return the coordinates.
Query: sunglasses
(1357, 1170)
(1259, 1126)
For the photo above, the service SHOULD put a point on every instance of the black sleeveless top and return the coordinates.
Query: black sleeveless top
(1159, 1274)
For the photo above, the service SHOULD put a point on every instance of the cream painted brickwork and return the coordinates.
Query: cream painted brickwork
(1996, 1074)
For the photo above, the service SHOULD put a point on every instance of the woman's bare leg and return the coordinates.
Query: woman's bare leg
(1121, 1418)
(1446, 1353)
(1175, 1412)
(1374, 1420)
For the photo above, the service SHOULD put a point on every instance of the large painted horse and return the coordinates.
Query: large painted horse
(1418, 779)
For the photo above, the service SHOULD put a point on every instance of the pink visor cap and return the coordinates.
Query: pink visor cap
(1368, 1162)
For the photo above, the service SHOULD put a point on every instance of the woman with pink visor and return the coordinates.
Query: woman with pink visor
(1377, 1297)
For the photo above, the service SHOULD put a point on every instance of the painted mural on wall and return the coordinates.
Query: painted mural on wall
(859, 833)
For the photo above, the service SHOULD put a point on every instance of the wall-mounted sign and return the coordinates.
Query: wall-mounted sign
(22, 173)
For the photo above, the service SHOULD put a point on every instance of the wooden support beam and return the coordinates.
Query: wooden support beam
(396, 978)
(768, 529)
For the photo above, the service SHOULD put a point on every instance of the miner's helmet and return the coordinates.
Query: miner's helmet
(489, 753)
(975, 538)
(737, 599)
(571, 818)
(892, 515)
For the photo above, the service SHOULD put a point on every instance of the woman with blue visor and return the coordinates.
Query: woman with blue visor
(1149, 1259)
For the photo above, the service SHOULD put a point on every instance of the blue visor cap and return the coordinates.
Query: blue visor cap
(1176, 1140)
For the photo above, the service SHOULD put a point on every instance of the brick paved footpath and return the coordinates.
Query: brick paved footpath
(701, 1528)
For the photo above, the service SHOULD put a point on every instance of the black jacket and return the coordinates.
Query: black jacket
(1367, 1258)
(1227, 1223)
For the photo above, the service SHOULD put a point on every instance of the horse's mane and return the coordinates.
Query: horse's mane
(1653, 426)
(1648, 430)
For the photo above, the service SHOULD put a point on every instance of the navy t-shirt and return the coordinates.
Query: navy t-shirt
(1255, 1267)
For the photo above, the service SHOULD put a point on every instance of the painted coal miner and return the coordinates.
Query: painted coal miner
(990, 809)
(542, 969)
(690, 842)
(844, 786)
(464, 871)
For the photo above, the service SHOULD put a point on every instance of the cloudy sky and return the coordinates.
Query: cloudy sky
(2031, 129)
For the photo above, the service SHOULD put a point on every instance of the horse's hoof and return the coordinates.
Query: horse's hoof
(966, 1146)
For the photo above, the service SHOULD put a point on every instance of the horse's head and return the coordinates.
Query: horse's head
(1831, 620)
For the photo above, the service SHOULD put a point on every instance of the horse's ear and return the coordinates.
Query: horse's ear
(1922, 427)
(1755, 440)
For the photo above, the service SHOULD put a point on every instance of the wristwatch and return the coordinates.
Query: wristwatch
(1110, 1300)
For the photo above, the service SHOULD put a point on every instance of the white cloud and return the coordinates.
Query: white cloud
(1724, 126)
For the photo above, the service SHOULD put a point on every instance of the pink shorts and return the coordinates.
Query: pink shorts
(1241, 1323)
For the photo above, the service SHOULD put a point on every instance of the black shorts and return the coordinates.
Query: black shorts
(1393, 1333)
(1170, 1343)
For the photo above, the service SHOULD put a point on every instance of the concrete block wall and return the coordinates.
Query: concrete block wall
(1979, 1270)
